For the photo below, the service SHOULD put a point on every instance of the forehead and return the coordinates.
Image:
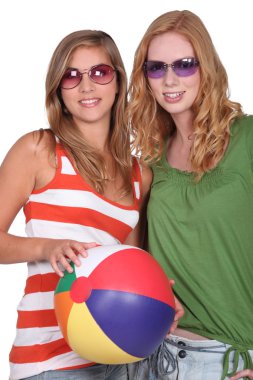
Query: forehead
(86, 56)
(169, 47)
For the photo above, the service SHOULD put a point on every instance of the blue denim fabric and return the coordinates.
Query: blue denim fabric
(184, 359)
(140, 371)
(95, 372)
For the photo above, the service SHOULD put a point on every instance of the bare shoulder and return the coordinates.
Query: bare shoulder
(20, 171)
(31, 144)
(28, 159)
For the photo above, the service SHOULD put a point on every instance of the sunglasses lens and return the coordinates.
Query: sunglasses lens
(182, 68)
(71, 79)
(101, 74)
(185, 67)
(155, 69)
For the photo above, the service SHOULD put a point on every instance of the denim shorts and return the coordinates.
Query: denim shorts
(184, 359)
(94, 372)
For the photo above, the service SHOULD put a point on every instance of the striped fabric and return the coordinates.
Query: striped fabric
(67, 208)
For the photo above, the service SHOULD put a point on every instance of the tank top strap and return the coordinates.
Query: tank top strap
(64, 163)
(136, 179)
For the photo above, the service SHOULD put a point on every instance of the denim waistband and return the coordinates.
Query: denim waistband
(163, 361)
(212, 346)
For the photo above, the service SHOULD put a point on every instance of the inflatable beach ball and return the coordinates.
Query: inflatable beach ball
(116, 307)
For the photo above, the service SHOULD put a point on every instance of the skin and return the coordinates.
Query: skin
(30, 165)
(96, 114)
(93, 120)
(179, 107)
(175, 94)
(246, 373)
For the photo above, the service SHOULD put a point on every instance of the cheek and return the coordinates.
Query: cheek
(193, 82)
(111, 92)
(155, 85)
(115, 88)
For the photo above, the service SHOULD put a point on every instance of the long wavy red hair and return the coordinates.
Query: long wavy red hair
(213, 111)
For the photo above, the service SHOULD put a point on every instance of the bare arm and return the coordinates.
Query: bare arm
(27, 166)
(179, 312)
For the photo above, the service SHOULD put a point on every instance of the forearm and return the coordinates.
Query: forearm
(15, 249)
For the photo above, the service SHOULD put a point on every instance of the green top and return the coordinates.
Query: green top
(202, 234)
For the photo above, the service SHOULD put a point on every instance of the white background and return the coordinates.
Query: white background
(30, 31)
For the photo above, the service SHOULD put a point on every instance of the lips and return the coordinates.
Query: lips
(89, 102)
(173, 95)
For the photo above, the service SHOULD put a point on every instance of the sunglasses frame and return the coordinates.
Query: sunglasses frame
(89, 73)
(165, 67)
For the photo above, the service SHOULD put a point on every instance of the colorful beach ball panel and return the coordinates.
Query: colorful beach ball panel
(121, 312)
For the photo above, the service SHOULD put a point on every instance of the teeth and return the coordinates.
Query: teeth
(173, 96)
(89, 101)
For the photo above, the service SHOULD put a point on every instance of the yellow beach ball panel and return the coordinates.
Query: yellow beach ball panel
(81, 325)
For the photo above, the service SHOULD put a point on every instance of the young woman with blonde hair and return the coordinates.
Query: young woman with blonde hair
(79, 186)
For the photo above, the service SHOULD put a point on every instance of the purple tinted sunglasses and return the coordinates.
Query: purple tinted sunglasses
(182, 67)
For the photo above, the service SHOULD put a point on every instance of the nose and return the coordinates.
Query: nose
(170, 76)
(86, 84)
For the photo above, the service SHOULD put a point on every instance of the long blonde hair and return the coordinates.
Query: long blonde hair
(213, 111)
(87, 160)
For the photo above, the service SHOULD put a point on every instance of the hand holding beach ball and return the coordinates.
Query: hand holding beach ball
(117, 307)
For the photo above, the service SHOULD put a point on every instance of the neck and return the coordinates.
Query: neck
(184, 128)
(180, 143)
(96, 136)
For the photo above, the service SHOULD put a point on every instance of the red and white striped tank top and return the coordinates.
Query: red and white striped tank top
(67, 208)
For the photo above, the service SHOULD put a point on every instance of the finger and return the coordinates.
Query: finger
(65, 257)
(77, 248)
(242, 374)
(179, 313)
(57, 269)
(85, 246)
(90, 245)
(179, 309)
(81, 248)
(173, 326)
(65, 264)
